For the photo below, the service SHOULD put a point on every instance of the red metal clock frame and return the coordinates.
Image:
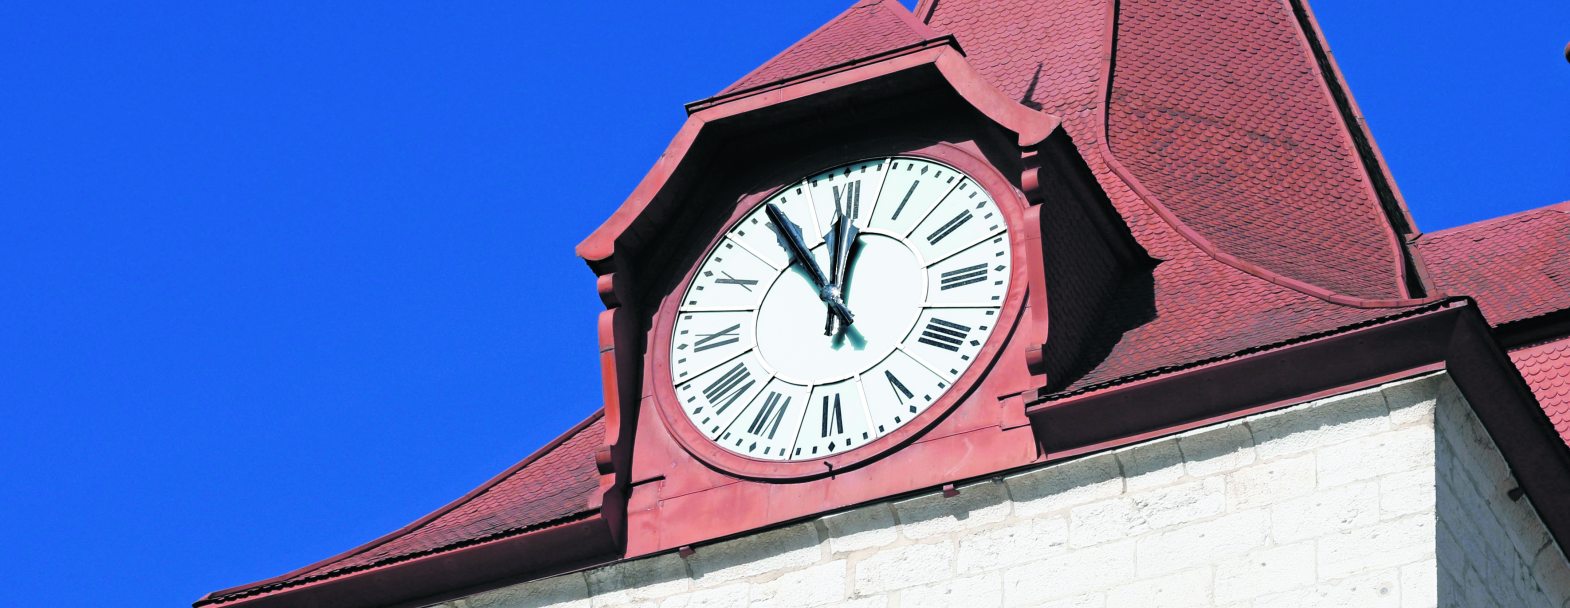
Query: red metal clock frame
(1011, 203)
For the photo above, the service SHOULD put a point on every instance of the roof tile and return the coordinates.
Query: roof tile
(1546, 368)
(1517, 266)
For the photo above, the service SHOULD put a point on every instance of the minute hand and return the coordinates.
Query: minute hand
(798, 249)
(841, 238)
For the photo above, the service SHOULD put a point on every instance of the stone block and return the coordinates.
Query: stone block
(1420, 585)
(819, 585)
(632, 581)
(1068, 575)
(1064, 485)
(1386, 545)
(1216, 449)
(1234, 535)
(1149, 510)
(1187, 589)
(1089, 600)
(1151, 465)
(1368, 457)
(1019, 542)
(1413, 401)
(724, 596)
(1325, 512)
(863, 528)
(787, 548)
(1265, 572)
(903, 566)
(1320, 423)
(1370, 590)
(1552, 572)
(935, 514)
(979, 591)
(1269, 482)
(566, 591)
(1407, 492)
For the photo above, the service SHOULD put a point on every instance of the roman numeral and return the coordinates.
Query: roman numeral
(946, 335)
(900, 392)
(833, 418)
(949, 228)
(902, 201)
(723, 337)
(964, 276)
(729, 387)
(852, 199)
(773, 405)
(730, 280)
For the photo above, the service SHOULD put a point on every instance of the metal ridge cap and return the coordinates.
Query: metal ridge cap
(1170, 369)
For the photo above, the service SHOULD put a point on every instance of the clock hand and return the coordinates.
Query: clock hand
(798, 249)
(841, 238)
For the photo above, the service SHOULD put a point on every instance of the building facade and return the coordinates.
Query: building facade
(1059, 303)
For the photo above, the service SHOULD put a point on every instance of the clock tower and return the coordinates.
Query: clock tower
(1057, 303)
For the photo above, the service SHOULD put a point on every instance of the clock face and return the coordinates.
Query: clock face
(763, 368)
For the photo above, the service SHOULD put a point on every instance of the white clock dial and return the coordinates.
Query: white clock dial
(764, 369)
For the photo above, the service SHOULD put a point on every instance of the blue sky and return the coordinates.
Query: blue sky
(277, 278)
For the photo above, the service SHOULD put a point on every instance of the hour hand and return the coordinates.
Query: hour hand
(791, 234)
(841, 238)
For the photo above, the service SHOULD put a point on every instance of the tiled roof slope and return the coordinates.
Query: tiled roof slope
(1517, 266)
(867, 28)
(1192, 308)
(551, 485)
(1218, 108)
(1546, 368)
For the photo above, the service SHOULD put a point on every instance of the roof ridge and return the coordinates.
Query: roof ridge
(1561, 207)
(782, 62)
(417, 524)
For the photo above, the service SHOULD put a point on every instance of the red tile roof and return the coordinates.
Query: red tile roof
(1223, 121)
(553, 485)
(1218, 108)
(868, 28)
(1049, 55)
(1517, 266)
(1546, 368)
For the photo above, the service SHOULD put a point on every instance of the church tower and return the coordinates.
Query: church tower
(1074, 303)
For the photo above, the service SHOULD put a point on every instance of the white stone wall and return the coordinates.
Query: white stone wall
(1365, 499)
(1492, 551)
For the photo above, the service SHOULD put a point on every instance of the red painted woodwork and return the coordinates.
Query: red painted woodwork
(978, 427)
(1011, 202)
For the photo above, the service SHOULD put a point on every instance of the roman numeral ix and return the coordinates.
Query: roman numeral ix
(730, 280)
(964, 276)
(946, 335)
(729, 387)
(729, 335)
(774, 405)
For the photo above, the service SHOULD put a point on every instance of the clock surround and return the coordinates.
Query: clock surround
(1010, 203)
